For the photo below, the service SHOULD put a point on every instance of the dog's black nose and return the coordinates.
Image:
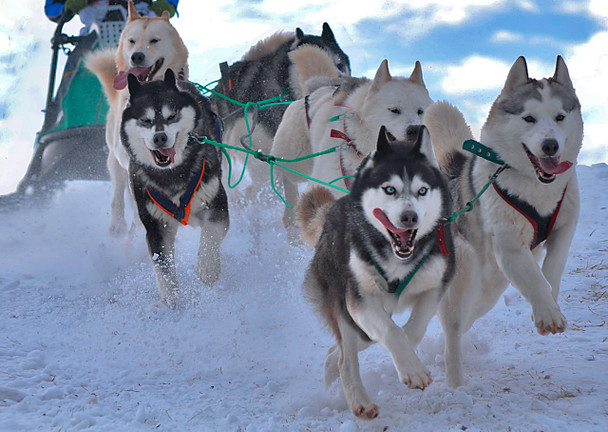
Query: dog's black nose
(160, 139)
(138, 57)
(411, 133)
(409, 218)
(550, 146)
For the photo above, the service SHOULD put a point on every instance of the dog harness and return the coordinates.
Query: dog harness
(179, 212)
(542, 225)
(335, 133)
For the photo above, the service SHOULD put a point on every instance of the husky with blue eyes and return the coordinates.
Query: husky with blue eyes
(175, 179)
(379, 250)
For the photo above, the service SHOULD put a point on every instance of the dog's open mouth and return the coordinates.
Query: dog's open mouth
(142, 74)
(548, 167)
(163, 157)
(402, 239)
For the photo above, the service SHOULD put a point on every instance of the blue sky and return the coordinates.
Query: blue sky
(466, 49)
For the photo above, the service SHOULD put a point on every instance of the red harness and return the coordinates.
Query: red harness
(542, 225)
(334, 133)
(182, 212)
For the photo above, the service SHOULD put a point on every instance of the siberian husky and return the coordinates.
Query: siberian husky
(266, 71)
(379, 250)
(347, 112)
(148, 47)
(536, 128)
(175, 179)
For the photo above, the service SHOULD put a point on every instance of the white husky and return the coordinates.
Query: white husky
(536, 128)
(350, 112)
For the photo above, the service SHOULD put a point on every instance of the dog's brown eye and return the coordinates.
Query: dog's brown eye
(560, 117)
(153, 41)
(529, 119)
(420, 111)
(131, 41)
(395, 110)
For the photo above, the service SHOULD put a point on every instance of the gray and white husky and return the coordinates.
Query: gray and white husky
(264, 72)
(379, 250)
(535, 126)
(345, 112)
(174, 178)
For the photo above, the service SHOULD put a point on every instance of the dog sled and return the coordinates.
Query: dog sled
(71, 143)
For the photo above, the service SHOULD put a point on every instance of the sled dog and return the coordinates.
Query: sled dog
(175, 179)
(148, 47)
(266, 71)
(535, 127)
(348, 112)
(379, 250)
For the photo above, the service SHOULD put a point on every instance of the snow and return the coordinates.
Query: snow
(84, 344)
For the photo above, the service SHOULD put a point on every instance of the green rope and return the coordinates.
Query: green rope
(276, 161)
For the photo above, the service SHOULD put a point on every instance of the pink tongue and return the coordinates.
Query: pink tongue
(120, 80)
(379, 214)
(551, 165)
(168, 152)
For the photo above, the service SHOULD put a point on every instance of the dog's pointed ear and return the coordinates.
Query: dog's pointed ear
(561, 74)
(518, 75)
(416, 76)
(382, 145)
(133, 14)
(133, 84)
(382, 76)
(299, 35)
(327, 35)
(424, 145)
(170, 78)
(165, 15)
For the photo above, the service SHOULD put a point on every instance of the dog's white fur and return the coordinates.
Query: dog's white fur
(394, 102)
(497, 251)
(156, 38)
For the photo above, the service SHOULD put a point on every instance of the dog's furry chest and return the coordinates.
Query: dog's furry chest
(371, 283)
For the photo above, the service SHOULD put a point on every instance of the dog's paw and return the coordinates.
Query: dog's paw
(420, 379)
(550, 322)
(118, 229)
(367, 411)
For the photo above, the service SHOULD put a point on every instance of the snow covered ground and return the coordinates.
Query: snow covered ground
(85, 346)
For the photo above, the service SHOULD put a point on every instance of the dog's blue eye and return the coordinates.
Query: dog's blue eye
(560, 117)
(529, 119)
(389, 190)
(422, 191)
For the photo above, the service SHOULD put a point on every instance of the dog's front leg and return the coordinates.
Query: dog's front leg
(521, 268)
(558, 243)
(423, 310)
(370, 315)
(161, 245)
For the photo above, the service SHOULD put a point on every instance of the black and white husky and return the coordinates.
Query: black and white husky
(175, 179)
(266, 71)
(379, 250)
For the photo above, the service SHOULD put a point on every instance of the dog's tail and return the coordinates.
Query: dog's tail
(311, 212)
(103, 64)
(312, 61)
(448, 129)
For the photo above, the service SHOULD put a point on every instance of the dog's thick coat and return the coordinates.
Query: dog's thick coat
(267, 71)
(148, 47)
(536, 127)
(368, 244)
(358, 108)
(175, 179)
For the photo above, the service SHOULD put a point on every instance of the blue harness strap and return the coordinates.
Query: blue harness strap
(182, 212)
(542, 225)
